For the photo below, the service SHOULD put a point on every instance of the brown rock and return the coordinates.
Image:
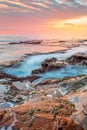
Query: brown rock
(79, 58)
(49, 64)
(63, 124)
(27, 42)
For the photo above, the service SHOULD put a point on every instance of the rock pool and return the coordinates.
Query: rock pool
(34, 61)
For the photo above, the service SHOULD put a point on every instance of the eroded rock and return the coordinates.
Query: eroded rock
(63, 124)
(50, 64)
(79, 58)
(27, 42)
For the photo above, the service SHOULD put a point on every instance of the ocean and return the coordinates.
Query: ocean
(13, 52)
(34, 55)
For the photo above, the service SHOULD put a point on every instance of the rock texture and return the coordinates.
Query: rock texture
(27, 42)
(15, 78)
(80, 100)
(63, 124)
(50, 64)
(35, 114)
(47, 109)
(79, 58)
(15, 89)
(54, 104)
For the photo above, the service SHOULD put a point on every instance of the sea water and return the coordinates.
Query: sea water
(34, 62)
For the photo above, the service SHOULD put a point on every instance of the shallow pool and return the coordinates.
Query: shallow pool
(34, 61)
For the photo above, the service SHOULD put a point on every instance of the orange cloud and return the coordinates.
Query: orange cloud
(52, 17)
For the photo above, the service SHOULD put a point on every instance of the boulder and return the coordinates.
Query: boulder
(50, 64)
(79, 58)
(27, 42)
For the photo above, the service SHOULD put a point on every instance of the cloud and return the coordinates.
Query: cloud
(69, 24)
(43, 9)
(3, 6)
(43, 16)
(18, 4)
(39, 4)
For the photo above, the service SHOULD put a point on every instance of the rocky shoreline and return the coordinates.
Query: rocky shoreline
(52, 104)
(27, 42)
(53, 63)
(38, 100)
(64, 47)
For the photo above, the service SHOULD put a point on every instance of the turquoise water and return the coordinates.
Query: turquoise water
(68, 71)
(34, 61)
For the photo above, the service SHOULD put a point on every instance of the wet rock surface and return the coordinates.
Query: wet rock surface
(15, 78)
(27, 42)
(79, 58)
(35, 114)
(54, 104)
(54, 63)
(73, 85)
(50, 64)
(15, 89)
(44, 107)
(63, 124)
(81, 116)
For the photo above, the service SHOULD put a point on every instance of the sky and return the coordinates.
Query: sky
(53, 18)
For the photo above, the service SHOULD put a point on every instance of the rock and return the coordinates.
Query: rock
(82, 41)
(27, 42)
(8, 63)
(62, 41)
(25, 85)
(79, 58)
(81, 117)
(1, 115)
(17, 99)
(50, 64)
(47, 62)
(79, 99)
(63, 124)
(73, 84)
(15, 78)
(6, 105)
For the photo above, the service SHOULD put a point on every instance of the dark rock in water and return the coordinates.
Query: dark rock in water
(27, 42)
(62, 41)
(53, 63)
(79, 58)
(82, 41)
(15, 78)
(50, 64)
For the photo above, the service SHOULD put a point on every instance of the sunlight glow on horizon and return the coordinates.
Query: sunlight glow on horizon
(70, 22)
(60, 18)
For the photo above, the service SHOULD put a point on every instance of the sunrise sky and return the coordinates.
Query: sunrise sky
(55, 18)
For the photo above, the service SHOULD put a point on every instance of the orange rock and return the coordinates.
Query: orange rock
(63, 124)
